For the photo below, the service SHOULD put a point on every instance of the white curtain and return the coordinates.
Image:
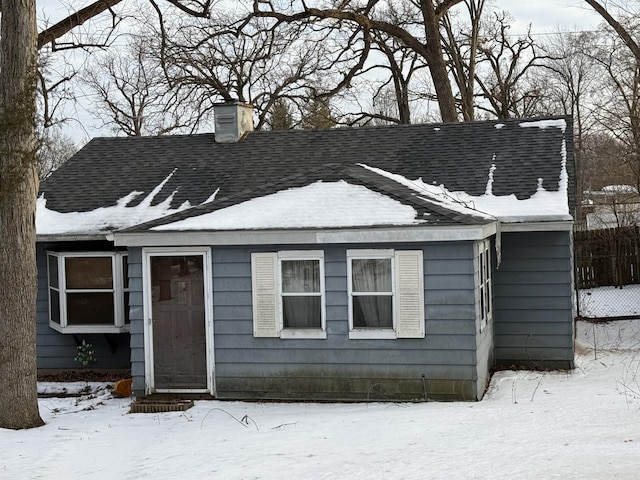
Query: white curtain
(300, 277)
(372, 276)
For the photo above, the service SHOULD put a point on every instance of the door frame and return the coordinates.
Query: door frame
(205, 252)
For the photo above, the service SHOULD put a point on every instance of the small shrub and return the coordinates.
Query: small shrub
(85, 355)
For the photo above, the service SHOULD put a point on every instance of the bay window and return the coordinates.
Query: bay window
(88, 292)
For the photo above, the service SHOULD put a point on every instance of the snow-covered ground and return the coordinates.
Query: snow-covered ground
(583, 424)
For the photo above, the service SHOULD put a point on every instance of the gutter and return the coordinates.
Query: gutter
(75, 237)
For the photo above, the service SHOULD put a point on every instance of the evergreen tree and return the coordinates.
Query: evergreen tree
(280, 117)
(318, 116)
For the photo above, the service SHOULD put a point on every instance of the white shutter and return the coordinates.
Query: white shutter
(409, 294)
(265, 294)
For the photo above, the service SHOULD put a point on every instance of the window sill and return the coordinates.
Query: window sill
(484, 322)
(89, 328)
(303, 333)
(373, 334)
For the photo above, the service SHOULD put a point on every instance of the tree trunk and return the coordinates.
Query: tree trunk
(18, 191)
(437, 66)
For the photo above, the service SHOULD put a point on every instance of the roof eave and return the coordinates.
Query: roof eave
(307, 236)
(537, 226)
(73, 237)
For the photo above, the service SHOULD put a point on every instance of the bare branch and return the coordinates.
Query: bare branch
(76, 19)
(619, 29)
(429, 47)
(202, 11)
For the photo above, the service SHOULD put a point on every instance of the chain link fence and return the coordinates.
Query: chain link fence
(607, 263)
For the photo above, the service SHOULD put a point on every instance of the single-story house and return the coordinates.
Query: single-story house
(379, 263)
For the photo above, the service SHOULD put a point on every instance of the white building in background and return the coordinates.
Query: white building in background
(613, 206)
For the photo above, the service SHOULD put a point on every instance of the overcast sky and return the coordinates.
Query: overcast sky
(547, 15)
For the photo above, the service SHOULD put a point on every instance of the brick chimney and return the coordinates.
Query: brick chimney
(232, 121)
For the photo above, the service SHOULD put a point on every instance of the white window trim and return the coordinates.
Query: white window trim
(407, 284)
(484, 284)
(292, 333)
(371, 333)
(118, 290)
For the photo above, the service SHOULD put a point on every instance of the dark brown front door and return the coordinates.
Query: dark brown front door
(178, 322)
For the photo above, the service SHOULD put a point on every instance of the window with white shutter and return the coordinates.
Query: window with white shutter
(288, 294)
(386, 294)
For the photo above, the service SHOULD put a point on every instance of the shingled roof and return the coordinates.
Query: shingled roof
(190, 168)
(438, 214)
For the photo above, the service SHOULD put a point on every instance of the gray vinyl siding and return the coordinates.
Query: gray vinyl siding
(56, 350)
(338, 368)
(533, 300)
(136, 317)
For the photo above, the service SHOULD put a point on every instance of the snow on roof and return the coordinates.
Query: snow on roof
(558, 123)
(541, 206)
(619, 189)
(320, 204)
(434, 193)
(339, 204)
(106, 219)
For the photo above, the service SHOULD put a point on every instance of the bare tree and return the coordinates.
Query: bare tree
(235, 58)
(572, 78)
(391, 74)
(601, 162)
(397, 70)
(621, 30)
(386, 90)
(423, 38)
(508, 85)
(618, 101)
(53, 89)
(461, 42)
(133, 96)
(55, 35)
(54, 148)
(19, 43)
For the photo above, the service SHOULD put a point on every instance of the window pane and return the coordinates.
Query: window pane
(55, 306)
(371, 275)
(372, 311)
(53, 271)
(94, 308)
(125, 272)
(301, 312)
(88, 272)
(301, 276)
(126, 307)
(177, 279)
